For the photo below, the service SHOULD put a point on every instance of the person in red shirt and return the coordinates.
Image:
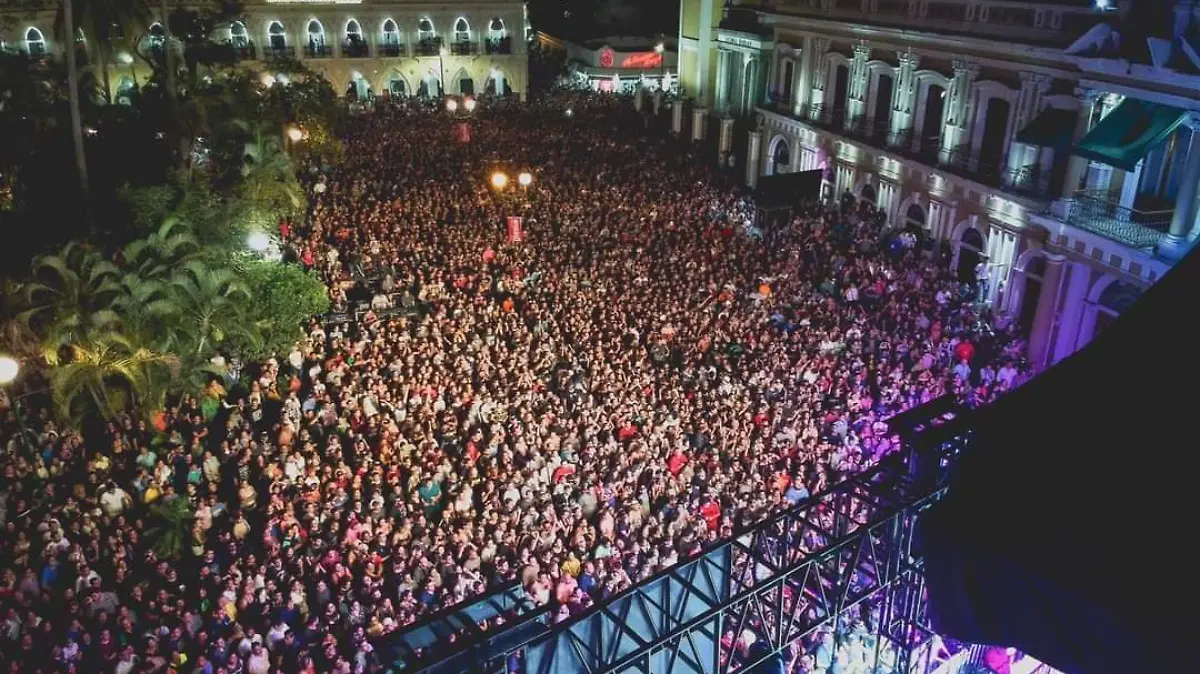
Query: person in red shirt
(965, 351)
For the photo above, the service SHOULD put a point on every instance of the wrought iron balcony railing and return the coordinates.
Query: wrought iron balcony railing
(279, 53)
(827, 116)
(1099, 213)
(355, 49)
(243, 52)
(502, 45)
(392, 50)
(869, 130)
(464, 48)
(318, 51)
(430, 46)
(1029, 181)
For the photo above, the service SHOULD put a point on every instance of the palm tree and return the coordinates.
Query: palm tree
(71, 296)
(68, 14)
(269, 179)
(172, 526)
(208, 305)
(108, 373)
(107, 22)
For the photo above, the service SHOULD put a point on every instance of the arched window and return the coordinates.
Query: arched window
(237, 34)
(356, 46)
(391, 33)
(781, 157)
(276, 35)
(970, 252)
(35, 43)
(496, 29)
(425, 29)
(316, 34)
(462, 30)
(157, 33)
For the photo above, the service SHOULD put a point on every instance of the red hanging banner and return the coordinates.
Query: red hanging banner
(516, 229)
(464, 132)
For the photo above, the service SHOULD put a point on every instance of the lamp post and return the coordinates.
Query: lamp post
(661, 50)
(10, 369)
(525, 179)
(442, 71)
(499, 180)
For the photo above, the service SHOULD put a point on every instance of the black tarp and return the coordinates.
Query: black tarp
(1067, 529)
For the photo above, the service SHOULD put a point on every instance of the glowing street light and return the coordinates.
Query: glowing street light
(499, 180)
(659, 48)
(258, 242)
(451, 104)
(570, 112)
(469, 105)
(525, 179)
(9, 369)
(295, 134)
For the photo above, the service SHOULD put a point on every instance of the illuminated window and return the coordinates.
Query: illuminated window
(353, 32)
(237, 34)
(462, 30)
(425, 29)
(496, 29)
(391, 34)
(35, 44)
(277, 35)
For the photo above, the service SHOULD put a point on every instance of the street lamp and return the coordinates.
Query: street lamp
(258, 242)
(499, 180)
(442, 70)
(295, 134)
(525, 179)
(469, 105)
(661, 49)
(9, 369)
(451, 105)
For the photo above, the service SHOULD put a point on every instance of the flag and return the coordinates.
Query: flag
(516, 229)
(464, 132)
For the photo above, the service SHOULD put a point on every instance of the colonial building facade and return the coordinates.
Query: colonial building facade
(1056, 143)
(363, 47)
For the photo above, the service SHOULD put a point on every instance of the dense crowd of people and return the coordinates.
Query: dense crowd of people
(638, 377)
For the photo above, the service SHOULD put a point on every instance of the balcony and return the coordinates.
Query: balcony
(868, 130)
(826, 117)
(243, 52)
(1102, 213)
(318, 51)
(924, 149)
(501, 45)
(391, 50)
(429, 46)
(275, 53)
(463, 48)
(355, 49)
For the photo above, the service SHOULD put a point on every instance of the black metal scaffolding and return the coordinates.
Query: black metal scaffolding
(838, 573)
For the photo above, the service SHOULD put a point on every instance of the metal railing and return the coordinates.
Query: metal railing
(355, 49)
(462, 48)
(391, 49)
(318, 51)
(430, 46)
(826, 116)
(1098, 213)
(501, 45)
(279, 53)
(868, 129)
(243, 52)
(1029, 180)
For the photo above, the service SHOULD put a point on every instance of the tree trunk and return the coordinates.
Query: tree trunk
(76, 116)
(169, 64)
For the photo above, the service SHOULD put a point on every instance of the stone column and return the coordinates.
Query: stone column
(856, 100)
(957, 114)
(639, 98)
(1130, 181)
(905, 95)
(1077, 166)
(721, 92)
(753, 150)
(1029, 103)
(1047, 308)
(699, 123)
(803, 78)
(820, 72)
(725, 142)
(1175, 243)
(677, 117)
(658, 101)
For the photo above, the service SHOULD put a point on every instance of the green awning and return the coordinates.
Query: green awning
(1129, 132)
(1052, 127)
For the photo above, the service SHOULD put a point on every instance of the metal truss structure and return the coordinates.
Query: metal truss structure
(835, 578)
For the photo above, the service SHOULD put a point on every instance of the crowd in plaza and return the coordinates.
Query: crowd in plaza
(638, 377)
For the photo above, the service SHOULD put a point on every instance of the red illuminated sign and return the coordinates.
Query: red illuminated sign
(606, 58)
(648, 59)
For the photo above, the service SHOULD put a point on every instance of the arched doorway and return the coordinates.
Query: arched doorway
(970, 252)
(358, 89)
(238, 37)
(126, 90)
(466, 85)
(781, 156)
(1035, 273)
(35, 43)
(497, 84)
(867, 194)
(396, 86)
(276, 36)
(914, 220)
(1115, 300)
(391, 38)
(429, 87)
(316, 39)
(931, 121)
